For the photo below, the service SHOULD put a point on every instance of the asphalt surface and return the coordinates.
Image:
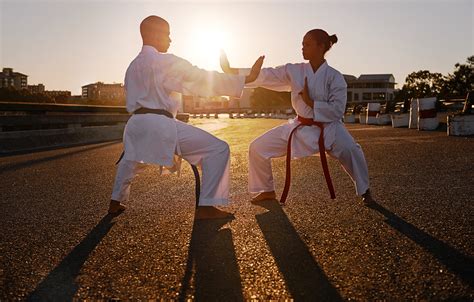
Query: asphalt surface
(417, 243)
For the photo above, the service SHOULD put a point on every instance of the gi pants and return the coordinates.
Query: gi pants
(198, 147)
(273, 144)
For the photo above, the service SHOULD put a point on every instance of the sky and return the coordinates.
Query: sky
(70, 43)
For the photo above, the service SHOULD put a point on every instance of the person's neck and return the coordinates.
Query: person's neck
(316, 63)
(151, 45)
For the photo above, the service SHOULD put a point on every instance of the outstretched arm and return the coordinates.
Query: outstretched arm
(254, 71)
(271, 78)
(177, 74)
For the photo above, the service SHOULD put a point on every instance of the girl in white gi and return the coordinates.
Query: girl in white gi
(152, 134)
(318, 94)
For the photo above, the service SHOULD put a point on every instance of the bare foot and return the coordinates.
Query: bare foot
(207, 212)
(367, 198)
(116, 207)
(264, 196)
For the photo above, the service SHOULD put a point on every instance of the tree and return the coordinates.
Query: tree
(462, 80)
(268, 99)
(423, 83)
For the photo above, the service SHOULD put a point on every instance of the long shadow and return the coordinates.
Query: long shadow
(305, 280)
(60, 284)
(212, 261)
(28, 163)
(458, 263)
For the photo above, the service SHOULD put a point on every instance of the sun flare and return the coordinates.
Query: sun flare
(206, 46)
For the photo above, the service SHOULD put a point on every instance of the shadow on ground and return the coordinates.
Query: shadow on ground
(29, 163)
(454, 260)
(211, 267)
(60, 284)
(305, 280)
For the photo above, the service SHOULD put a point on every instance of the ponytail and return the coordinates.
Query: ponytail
(321, 36)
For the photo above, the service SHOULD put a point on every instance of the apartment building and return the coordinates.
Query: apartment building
(102, 91)
(9, 78)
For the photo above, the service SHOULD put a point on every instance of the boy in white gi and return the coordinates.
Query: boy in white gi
(318, 95)
(152, 134)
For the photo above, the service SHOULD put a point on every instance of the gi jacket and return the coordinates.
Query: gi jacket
(328, 90)
(150, 81)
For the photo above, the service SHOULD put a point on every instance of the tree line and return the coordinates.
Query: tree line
(424, 83)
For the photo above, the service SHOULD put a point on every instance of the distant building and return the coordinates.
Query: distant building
(102, 91)
(57, 93)
(36, 88)
(242, 102)
(370, 88)
(17, 80)
(188, 103)
(193, 104)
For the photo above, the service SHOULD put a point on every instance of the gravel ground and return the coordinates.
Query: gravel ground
(417, 243)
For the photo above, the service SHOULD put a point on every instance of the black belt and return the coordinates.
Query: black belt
(154, 111)
(169, 115)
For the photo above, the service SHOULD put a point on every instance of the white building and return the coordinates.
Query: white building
(370, 88)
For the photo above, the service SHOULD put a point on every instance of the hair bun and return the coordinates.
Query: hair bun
(333, 39)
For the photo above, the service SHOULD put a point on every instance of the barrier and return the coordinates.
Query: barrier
(372, 110)
(413, 123)
(349, 118)
(427, 118)
(383, 119)
(460, 125)
(362, 118)
(400, 120)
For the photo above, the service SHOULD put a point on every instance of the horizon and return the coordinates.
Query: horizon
(66, 45)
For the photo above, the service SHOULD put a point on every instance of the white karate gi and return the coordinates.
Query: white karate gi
(328, 90)
(156, 139)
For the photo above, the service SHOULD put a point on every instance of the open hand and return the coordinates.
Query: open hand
(305, 94)
(255, 71)
(225, 65)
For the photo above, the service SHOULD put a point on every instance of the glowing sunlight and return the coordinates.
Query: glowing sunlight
(207, 43)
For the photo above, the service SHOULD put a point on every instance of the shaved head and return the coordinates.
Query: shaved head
(151, 25)
(155, 31)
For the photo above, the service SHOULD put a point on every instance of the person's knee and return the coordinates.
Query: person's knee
(224, 148)
(257, 145)
(254, 148)
(345, 150)
(356, 148)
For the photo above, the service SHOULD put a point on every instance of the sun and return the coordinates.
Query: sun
(206, 47)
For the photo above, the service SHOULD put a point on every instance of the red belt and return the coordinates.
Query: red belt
(322, 152)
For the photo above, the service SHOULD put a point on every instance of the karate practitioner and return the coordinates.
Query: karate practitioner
(152, 134)
(318, 94)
